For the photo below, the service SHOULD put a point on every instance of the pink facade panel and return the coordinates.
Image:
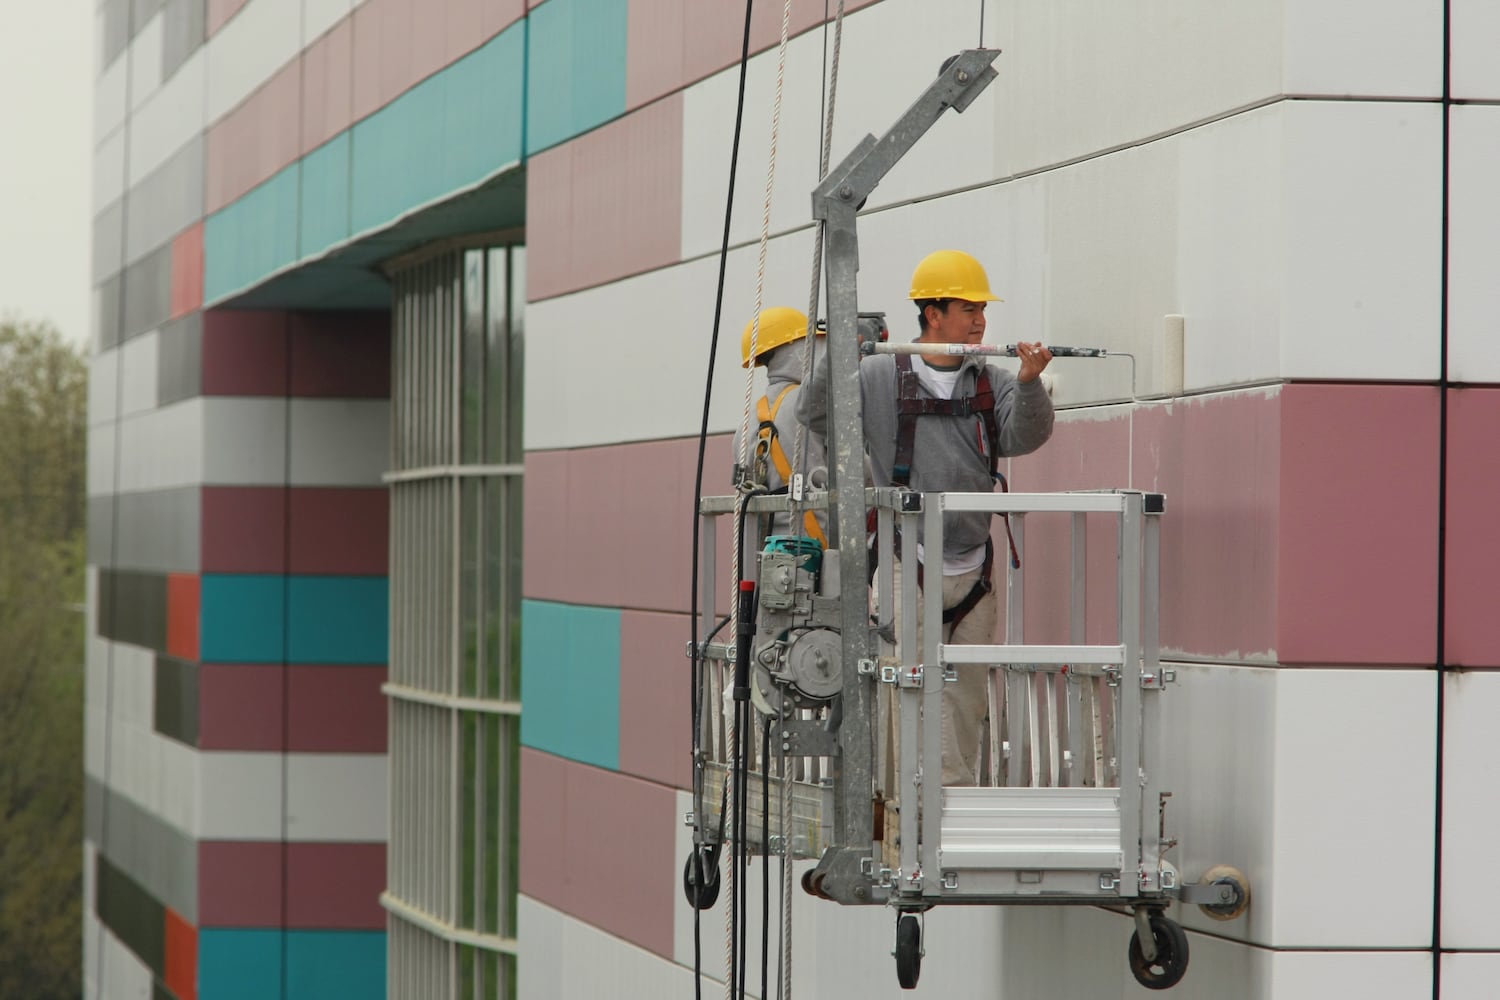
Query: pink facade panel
(497, 15)
(187, 270)
(654, 744)
(240, 706)
(335, 886)
(1359, 513)
(1472, 611)
(219, 12)
(607, 204)
(574, 508)
(1087, 452)
(1217, 459)
(338, 709)
(255, 140)
(327, 86)
(240, 883)
(340, 531)
(623, 883)
(244, 352)
(243, 529)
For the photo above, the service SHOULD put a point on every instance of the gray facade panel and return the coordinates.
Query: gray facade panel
(179, 360)
(109, 317)
(101, 530)
(133, 607)
(162, 858)
(141, 12)
(107, 246)
(159, 530)
(165, 203)
(116, 29)
(175, 704)
(183, 32)
(148, 293)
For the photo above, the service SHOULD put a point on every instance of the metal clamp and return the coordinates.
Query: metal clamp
(866, 668)
(950, 880)
(1108, 882)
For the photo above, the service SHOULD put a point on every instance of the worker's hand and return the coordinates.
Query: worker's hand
(1034, 359)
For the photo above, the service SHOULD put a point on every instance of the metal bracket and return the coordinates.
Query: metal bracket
(807, 738)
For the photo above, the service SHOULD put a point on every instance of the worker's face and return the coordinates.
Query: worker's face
(960, 323)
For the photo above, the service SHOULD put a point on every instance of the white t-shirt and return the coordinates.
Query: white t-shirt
(940, 382)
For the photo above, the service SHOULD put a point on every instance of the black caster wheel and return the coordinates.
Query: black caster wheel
(700, 878)
(1170, 964)
(908, 950)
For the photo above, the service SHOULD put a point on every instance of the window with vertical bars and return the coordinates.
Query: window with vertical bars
(454, 684)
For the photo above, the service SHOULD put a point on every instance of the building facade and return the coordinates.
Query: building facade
(402, 340)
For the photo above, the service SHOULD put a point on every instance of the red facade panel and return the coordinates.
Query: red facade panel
(1471, 623)
(181, 958)
(239, 883)
(255, 140)
(240, 707)
(244, 529)
(339, 531)
(335, 886)
(327, 86)
(183, 619)
(345, 354)
(649, 644)
(187, 271)
(337, 709)
(245, 352)
(219, 12)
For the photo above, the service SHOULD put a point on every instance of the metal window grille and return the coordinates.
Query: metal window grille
(454, 685)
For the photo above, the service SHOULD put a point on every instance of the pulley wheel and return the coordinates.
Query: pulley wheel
(1227, 875)
(700, 878)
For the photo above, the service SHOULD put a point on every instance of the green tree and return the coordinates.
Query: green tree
(43, 417)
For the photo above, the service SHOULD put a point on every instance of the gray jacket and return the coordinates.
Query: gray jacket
(949, 454)
(784, 373)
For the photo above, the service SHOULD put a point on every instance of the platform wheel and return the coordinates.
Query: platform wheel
(700, 878)
(908, 950)
(1170, 964)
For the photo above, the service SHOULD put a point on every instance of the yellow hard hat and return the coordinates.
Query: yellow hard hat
(778, 325)
(951, 274)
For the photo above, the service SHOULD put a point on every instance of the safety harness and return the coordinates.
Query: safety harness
(911, 404)
(768, 445)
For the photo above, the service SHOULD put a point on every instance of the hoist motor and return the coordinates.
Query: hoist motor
(796, 655)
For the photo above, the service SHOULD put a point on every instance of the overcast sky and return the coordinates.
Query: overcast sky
(46, 114)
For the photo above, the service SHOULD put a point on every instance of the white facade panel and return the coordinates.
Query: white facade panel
(241, 796)
(1471, 811)
(1474, 242)
(163, 449)
(340, 442)
(320, 15)
(1474, 73)
(109, 169)
(339, 797)
(111, 971)
(551, 943)
(155, 772)
(1353, 791)
(104, 376)
(1318, 975)
(169, 119)
(1363, 203)
(1470, 975)
(1363, 48)
(563, 411)
(263, 37)
(145, 61)
(101, 460)
(243, 442)
(708, 110)
(109, 100)
(138, 379)
(1077, 79)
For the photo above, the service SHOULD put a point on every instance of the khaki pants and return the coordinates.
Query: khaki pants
(964, 702)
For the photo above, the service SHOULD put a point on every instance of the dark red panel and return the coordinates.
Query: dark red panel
(335, 886)
(244, 352)
(340, 531)
(244, 529)
(336, 709)
(240, 706)
(1471, 623)
(239, 883)
(344, 354)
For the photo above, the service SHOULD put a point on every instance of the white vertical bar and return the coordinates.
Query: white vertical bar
(1128, 724)
(932, 691)
(1015, 683)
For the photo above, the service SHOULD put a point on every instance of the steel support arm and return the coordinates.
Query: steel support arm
(836, 201)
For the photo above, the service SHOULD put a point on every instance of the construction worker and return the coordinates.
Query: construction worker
(961, 415)
(778, 347)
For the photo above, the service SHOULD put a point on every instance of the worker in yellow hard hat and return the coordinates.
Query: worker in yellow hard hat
(941, 423)
(777, 342)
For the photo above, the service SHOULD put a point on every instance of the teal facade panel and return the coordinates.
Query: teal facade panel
(325, 197)
(570, 681)
(325, 964)
(448, 132)
(338, 619)
(243, 618)
(254, 237)
(575, 69)
(239, 964)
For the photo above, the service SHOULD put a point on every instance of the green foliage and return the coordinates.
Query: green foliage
(43, 416)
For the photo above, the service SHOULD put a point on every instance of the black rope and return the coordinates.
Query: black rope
(695, 680)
